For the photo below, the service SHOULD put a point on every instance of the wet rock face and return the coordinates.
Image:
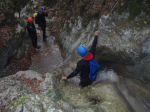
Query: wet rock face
(19, 93)
(116, 94)
(12, 45)
(125, 49)
(56, 95)
(12, 87)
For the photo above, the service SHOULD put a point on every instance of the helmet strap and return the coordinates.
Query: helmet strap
(86, 55)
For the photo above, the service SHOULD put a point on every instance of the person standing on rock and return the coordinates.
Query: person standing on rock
(83, 65)
(42, 21)
(32, 32)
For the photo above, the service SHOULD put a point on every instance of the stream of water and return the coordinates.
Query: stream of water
(131, 91)
(48, 57)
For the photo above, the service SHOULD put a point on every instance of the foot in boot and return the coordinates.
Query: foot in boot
(44, 40)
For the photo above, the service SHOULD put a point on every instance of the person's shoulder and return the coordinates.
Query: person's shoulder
(81, 61)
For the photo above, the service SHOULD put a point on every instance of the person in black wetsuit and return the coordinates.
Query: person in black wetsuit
(32, 33)
(83, 65)
(42, 22)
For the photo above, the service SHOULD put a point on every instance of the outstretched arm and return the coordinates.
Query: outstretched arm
(93, 47)
(75, 72)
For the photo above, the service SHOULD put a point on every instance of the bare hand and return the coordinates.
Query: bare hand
(96, 33)
(37, 32)
(64, 77)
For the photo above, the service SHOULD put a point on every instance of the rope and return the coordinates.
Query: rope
(107, 17)
(110, 11)
(113, 8)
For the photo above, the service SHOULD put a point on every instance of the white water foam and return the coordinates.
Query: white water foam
(106, 75)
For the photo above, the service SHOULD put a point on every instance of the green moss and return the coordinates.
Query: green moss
(13, 31)
(19, 101)
(146, 7)
(22, 23)
(100, 1)
(76, 18)
(134, 9)
(60, 43)
(62, 23)
(86, 19)
(140, 24)
(63, 14)
(50, 2)
(123, 8)
(65, 8)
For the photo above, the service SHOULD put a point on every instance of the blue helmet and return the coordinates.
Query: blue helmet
(82, 51)
(43, 8)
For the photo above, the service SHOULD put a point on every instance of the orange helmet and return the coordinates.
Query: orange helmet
(30, 19)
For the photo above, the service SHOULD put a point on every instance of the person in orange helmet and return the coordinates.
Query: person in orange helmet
(32, 32)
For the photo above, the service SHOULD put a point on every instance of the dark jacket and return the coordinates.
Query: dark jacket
(31, 28)
(83, 64)
(42, 20)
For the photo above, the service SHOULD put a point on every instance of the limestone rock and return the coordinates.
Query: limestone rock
(48, 83)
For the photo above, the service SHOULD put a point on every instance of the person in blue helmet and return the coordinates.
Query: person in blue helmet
(83, 65)
(42, 22)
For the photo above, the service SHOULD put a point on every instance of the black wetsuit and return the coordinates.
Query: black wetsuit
(42, 23)
(83, 66)
(32, 33)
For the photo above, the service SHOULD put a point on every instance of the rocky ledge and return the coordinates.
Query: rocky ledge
(28, 91)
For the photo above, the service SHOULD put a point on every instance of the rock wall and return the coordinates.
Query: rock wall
(55, 95)
(14, 44)
(124, 49)
(15, 41)
(31, 92)
(121, 46)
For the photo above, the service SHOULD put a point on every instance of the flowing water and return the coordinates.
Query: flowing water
(132, 92)
(48, 57)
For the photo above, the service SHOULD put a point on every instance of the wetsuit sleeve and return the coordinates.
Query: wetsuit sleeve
(93, 47)
(31, 29)
(76, 71)
(46, 14)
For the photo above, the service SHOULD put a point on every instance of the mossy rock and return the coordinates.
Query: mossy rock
(101, 97)
(134, 9)
(19, 101)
